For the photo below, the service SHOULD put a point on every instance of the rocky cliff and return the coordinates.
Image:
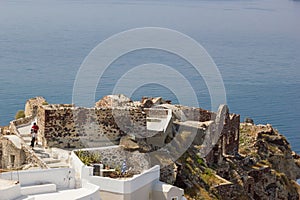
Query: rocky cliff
(247, 161)
(264, 168)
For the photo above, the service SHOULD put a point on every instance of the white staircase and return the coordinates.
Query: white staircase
(25, 133)
(52, 161)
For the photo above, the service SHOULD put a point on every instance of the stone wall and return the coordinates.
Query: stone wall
(197, 114)
(228, 143)
(66, 126)
(231, 132)
(159, 113)
(216, 153)
(32, 105)
(11, 156)
(21, 121)
(193, 128)
(114, 157)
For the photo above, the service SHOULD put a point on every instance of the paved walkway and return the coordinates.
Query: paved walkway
(25, 133)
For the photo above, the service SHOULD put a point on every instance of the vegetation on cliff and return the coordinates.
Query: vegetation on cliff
(20, 114)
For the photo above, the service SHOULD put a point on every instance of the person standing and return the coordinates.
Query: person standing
(33, 137)
(34, 132)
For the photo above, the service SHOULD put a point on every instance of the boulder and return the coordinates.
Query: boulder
(249, 120)
(128, 143)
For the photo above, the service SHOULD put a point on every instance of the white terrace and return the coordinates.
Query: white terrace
(78, 182)
(143, 186)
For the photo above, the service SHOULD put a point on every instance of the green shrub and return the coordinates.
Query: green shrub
(45, 103)
(201, 162)
(20, 114)
(88, 157)
(208, 171)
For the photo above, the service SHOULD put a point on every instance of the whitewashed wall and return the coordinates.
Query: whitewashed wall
(10, 192)
(63, 177)
(129, 185)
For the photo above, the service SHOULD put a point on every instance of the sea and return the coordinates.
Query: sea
(255, 45)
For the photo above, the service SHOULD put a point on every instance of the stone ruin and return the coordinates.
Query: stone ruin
(146, 125)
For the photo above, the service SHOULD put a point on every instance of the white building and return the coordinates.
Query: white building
(78, 182)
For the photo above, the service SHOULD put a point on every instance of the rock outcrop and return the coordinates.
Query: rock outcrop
(265, 168)
(208, 154)
(114, 101)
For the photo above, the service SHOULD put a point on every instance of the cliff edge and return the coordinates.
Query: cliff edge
(218, 157)
(264, 168)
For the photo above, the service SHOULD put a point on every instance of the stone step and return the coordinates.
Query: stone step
(51, 160)
(43, 155)
(24, 130)
(25, 135)
(27, 139)
(58, 165)
(40, 152)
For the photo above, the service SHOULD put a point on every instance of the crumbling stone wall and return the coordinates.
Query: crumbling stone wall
(197, 114)
(216, 153)
(230, 133)
(66, 126)
(21, 121)
(160, 113)
(32, 105)
(11, 156)
(228, 143)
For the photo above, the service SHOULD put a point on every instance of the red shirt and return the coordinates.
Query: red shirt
(35, 128)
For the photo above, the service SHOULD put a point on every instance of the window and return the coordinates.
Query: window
(12, 160)
(174, 198)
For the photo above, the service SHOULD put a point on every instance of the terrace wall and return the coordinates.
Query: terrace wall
(65, 126)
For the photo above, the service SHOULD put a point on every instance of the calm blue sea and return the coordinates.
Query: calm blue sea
(255, 44)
